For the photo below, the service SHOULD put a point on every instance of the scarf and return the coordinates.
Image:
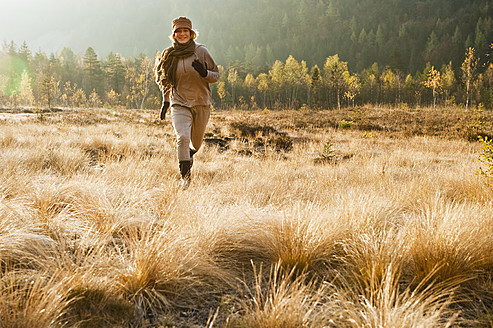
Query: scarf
(167, 62)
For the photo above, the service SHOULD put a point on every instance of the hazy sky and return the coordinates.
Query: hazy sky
(49, 25)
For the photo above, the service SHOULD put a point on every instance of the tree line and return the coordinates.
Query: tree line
(69, 80)
(292, 84)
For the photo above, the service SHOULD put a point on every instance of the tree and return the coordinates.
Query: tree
(233, 79)
(145, 79)
(139, 79)
(94, 100)
(49, 89)
(334, 76)
(353, 86)
(221, 91)
(315, 83)
(79, 98)
(434, 82)
(276, 76)
(68, 93)
(251, 85)
(389, 80)
(24, 53)
(26, 96)
(263, 85)
(488, 86)
(468, 68)
(115, 72)
(92, 70)
(112, 99)
(295, 75)
(71, 69)
(448, 81)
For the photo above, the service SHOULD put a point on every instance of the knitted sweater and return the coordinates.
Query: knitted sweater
(191, 89)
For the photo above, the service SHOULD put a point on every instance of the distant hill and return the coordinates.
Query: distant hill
(400, 33)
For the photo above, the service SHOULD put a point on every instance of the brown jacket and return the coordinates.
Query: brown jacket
(191, 89)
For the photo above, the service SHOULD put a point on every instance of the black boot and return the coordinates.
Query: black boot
(185, 167)
(192, 152)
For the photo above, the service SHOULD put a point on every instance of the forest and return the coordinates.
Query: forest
(284, 54)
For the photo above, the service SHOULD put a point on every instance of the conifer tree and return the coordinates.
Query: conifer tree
(24, 53)
(115, 72)
(92, 70)
(49, 89)
(315, 84)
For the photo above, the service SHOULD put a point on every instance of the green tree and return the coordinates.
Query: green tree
(315, 85)
(353, 83)
(334, 71)
(71, 69)
(115, 72)
(92, 70)
(251, 85)
(49, 89)
(263, 85)
(276, 77)
(295, 75)
(448, 81)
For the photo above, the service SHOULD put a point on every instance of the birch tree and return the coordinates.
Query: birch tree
(468, 69)
(434, 82)
(334, 76)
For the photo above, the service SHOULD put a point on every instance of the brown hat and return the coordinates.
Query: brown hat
(181, 22)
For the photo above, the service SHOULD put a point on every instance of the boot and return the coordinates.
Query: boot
(185, 167)
(192, 152)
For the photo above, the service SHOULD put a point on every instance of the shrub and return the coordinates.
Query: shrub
(486, 158)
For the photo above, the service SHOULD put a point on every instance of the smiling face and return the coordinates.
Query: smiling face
(182, 35)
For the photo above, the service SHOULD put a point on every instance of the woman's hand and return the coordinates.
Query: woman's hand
(200, 68)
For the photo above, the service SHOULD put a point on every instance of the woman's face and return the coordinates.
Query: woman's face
(182, 35)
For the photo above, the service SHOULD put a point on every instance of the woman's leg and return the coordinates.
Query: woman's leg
(200, 116)
(182, 123)
(181, 118)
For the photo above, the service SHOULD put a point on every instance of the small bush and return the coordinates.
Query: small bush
(345, 124)
(486, 158)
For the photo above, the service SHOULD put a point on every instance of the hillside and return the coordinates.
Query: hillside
(403, 34)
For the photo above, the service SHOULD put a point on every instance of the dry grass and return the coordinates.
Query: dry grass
(393, 229)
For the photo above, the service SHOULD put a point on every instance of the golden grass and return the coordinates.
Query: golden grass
(395, 230)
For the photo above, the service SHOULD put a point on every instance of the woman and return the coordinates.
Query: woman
(183, 73)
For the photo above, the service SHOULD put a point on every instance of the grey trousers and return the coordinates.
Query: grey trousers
(189, 125)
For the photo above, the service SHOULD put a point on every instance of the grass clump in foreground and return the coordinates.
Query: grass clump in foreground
(94, 233)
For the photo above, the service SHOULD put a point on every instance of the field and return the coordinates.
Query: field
(364, 217)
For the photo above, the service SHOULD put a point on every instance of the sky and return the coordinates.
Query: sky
(124, 26)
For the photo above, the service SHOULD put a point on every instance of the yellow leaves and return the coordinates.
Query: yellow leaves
(434, 80)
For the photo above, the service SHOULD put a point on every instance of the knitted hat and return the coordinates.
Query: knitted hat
(181, 22)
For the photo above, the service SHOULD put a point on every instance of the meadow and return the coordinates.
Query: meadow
(361, 217)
